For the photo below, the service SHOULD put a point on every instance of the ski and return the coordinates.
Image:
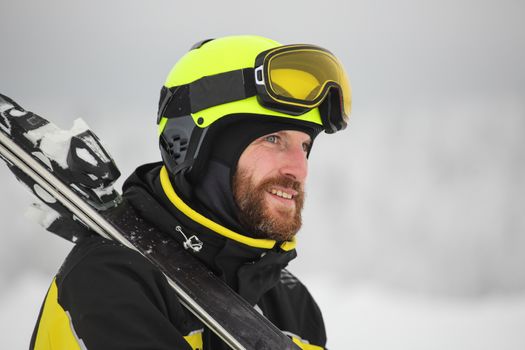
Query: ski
(72, 174)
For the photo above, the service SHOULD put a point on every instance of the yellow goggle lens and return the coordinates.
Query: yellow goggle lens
(304, 75)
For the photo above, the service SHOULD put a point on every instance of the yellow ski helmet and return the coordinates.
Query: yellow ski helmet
(237, 77)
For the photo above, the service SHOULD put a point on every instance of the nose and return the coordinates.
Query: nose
(294, 163)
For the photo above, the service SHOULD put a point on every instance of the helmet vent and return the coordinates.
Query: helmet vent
(176, 147)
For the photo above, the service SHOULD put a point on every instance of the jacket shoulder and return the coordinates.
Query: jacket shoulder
(98, 251)
(294, 310)
(106, 289)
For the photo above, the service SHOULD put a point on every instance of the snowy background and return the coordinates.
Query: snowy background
(414, 225)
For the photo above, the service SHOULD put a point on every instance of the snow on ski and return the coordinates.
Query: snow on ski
(72, 174)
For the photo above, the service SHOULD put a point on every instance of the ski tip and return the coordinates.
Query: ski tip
(4, 100)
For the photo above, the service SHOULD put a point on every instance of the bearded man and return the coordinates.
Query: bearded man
(237, 119)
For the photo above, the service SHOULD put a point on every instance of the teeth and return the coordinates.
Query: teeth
(281, 194)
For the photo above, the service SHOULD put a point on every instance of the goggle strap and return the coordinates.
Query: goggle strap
(221, 88)
(207, 92)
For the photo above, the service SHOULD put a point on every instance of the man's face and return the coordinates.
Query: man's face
(268, 185)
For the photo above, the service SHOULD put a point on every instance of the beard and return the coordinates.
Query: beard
(281, 224)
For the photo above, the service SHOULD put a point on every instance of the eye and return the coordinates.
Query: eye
(307, 146)
(271, 138)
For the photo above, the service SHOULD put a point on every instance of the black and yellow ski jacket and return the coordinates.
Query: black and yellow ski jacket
(106, 296)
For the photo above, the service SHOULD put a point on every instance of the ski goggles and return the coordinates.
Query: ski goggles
(291, 79)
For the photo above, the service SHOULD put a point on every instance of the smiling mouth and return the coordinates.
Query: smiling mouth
(282, 194)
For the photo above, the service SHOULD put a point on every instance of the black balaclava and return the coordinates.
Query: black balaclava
(212, 183)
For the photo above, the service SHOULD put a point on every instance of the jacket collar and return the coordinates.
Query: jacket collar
(250, 266)
(185, 209)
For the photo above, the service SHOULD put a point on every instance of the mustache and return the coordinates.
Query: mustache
(283, 181)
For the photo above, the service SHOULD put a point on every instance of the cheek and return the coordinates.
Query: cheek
(262, 170)
(257, 165)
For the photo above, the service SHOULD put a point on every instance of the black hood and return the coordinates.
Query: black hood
(249, 270)
(211, 175)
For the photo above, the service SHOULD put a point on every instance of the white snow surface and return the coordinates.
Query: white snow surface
(55, 141)
(103, 191)
(362, 317)
(368, 317)
(43, 158)
(84, 154)
(17, 113)
(92, 143)
(43, 194)
(42, 214)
